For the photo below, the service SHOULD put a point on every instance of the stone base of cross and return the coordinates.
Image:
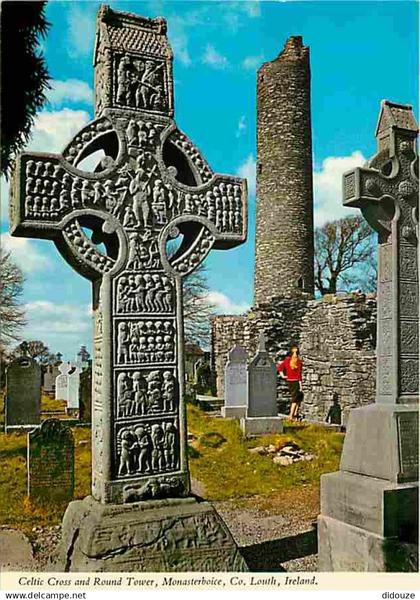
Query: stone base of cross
(369, 509)
(144, 216)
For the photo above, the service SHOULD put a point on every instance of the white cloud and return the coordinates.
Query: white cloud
(25, 253)
(253, 62)
(252, 8)
(248, 170)
(328, 187)
(81, 24)
(213, 58)
(223, 304)
(233, 13)
(53, 130)
(241, 126)
(70, 90)
(63, 327)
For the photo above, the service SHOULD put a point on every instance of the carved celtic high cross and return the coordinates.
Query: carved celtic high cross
(114, 224)
(386, 191)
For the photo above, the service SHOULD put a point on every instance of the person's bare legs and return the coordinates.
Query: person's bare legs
(292, 413)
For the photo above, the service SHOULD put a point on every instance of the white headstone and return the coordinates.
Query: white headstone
(236, 383)
(73, 382)
(61, 381)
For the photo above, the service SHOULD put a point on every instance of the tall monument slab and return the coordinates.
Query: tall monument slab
(151, 187)
(23, 393)
(236, 383)
(369, 509)
(262, 413)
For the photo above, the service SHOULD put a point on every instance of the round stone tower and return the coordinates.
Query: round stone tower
(285, 230)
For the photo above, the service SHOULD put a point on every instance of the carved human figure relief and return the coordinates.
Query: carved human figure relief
(115, 224)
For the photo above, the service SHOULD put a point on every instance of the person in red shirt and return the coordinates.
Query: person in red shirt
(290, 369)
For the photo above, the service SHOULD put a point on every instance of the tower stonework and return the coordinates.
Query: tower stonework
(284, 231)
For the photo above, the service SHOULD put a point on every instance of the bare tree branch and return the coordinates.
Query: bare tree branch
(12, 315)
(345, 256)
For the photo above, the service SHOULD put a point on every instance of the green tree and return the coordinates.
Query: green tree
(24, 75)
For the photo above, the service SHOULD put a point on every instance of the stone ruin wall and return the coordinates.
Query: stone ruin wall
(336, 335)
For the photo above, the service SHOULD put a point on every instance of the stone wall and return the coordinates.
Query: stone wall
(284, 243)
(336, 336)
(337, 344)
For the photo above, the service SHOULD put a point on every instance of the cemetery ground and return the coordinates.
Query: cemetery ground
(259, 499)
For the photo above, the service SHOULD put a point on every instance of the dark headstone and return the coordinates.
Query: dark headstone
(262, 390)
(23, 393)
(51, 462)
(85, 396)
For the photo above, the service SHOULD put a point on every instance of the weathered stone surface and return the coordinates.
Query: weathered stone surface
(23, 393)
(376, 505)
(61, 382)
(50, 462)
(386, 191)
(262, 374)
(16, 552)
(151, 187)
(343, 547)
(73, 382)
(85, 396)
(381, 444)
(284, 229)
(388, 451)
(233, 412)
(166, 535)
(254, 426)
(236, 382)
(50, 377)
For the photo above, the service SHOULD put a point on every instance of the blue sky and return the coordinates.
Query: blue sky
(361, 52)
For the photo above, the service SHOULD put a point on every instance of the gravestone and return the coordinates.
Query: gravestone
(262, 414)
(61, 382)
(236, 383)
(83, 358)
(50, 377)
(50, 462)
(369, 509)
(85, 396)
(151, 187)
(23, 393)
(73, 382)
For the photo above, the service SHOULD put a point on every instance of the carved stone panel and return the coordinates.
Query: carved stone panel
(408, 441)
(409, 375)
(409, 301)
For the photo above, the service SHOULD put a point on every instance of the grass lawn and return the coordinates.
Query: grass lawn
(219, 459)
(231, 471)
(15, 510)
